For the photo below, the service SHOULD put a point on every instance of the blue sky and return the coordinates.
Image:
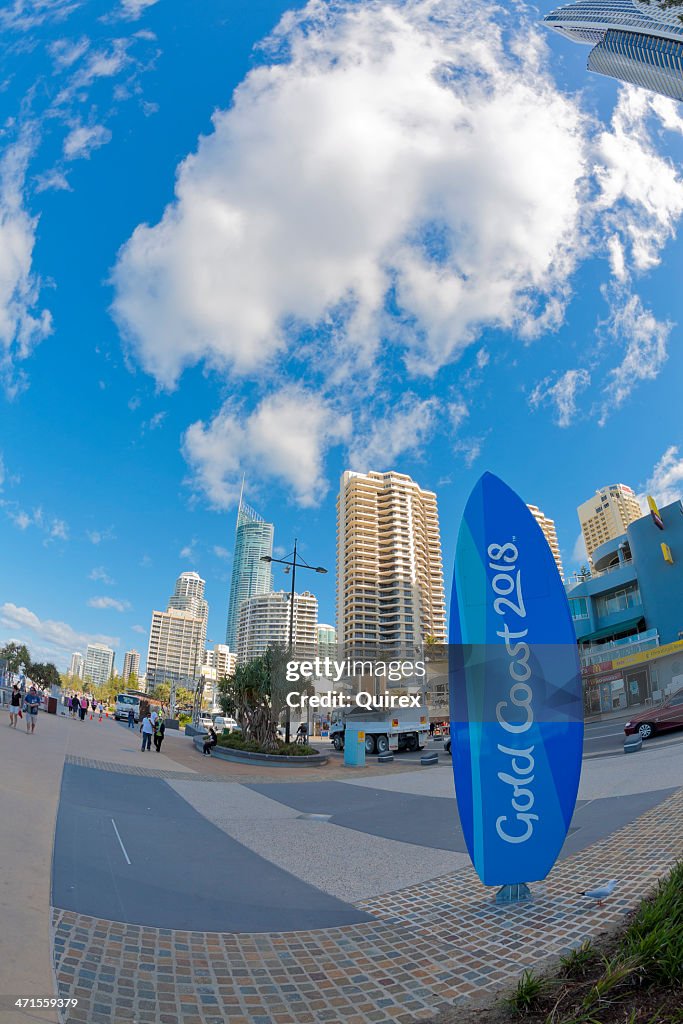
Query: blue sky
(286, 241)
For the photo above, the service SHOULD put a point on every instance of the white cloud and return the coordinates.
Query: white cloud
(100, 574)
(138, 629)
(458, 412)
(21, 325)
(83, 139)
(97, 536)
(644, 339)
(59, 636)
(561, 394)
(666, 483)
(388, 154)
(65, 52)
(405, 429)
(470, 448)
(640, 190)
(188, 552)
(59, 530)
(221, 552)
(284, 438)
(133, 9)
(54, 180)
(23, 15)
(21, 519)
(109, 602)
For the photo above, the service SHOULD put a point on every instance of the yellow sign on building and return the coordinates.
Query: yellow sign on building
(651, 655)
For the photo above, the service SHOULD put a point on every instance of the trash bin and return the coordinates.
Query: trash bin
(52, 705)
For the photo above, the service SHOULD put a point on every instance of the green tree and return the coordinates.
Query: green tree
(16, 655)
(255, 695)
(45, 674)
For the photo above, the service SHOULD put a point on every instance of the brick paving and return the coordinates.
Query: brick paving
(426, 948)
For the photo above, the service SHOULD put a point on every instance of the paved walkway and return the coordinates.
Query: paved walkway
(212, 917)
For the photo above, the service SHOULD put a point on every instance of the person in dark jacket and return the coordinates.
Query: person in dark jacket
(210, 741)
(131, 718)
(159, 731)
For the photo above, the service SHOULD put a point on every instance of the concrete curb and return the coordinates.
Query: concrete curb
(242, 756)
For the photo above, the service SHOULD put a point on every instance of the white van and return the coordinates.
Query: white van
(220, 722)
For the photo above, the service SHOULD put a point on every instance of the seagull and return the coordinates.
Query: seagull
(602, 892)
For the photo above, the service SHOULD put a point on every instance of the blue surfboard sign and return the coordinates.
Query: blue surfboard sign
(516, 699)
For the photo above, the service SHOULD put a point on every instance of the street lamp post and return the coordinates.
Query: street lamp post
(199, 689)
(295, 561)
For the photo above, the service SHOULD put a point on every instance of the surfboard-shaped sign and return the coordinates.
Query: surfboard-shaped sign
(515, 690)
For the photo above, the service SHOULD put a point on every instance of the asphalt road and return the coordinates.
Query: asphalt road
(600, 739)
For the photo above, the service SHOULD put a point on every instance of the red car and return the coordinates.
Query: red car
(661, 718)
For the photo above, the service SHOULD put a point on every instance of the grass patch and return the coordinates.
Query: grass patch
(237, 741)
(634, 977)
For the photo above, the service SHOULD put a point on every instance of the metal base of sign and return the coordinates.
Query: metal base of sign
(514, 893)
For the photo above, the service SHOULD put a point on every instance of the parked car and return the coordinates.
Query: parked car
(660, 718)
(447, 745)
(220, 722)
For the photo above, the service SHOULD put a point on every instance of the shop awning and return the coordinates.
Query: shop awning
(628, 626)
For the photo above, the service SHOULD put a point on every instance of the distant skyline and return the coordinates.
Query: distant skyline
(359, 242)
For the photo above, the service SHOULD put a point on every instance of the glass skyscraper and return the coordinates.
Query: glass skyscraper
(636, 41)
(250, 576)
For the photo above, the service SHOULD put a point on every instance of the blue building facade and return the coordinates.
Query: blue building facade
(628, 614)
(250, 575)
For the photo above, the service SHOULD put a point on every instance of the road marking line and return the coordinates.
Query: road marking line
(602, 735)
(120, 841)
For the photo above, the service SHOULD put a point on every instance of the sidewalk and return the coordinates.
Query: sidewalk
(31, 773)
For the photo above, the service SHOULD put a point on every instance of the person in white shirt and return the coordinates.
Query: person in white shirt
(147, 730)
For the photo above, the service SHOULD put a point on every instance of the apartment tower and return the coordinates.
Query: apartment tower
(390, 592)
(177, 637)
(550, 534)
(99, 664)
(250, 575)
(77, 665)
(131, 665)
(606, 515)
(264, 621)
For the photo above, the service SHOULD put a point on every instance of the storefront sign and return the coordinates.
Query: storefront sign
(515, 690)
(651, 655)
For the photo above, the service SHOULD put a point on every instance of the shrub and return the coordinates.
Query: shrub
(237, 741)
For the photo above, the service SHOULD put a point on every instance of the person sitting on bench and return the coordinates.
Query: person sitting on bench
(211, 740)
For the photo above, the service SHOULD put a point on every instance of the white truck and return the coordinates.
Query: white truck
(123, 704)
(397, 729)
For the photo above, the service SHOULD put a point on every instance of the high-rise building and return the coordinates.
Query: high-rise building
(550, 534)
(131, 665)
(219, 662)
(188, 595)
(327, 641)
(177, 636)
(606, 515)
(390, 592)
(637, 41)
(76, 666)
(176, 642)
(250, 575)
(264, 621)
(99, 664)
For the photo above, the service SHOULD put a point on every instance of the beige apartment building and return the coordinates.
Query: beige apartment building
(606, 515)
(264, 620)
(176, 643)
(550, 534)
(390, 592)
(131, 665)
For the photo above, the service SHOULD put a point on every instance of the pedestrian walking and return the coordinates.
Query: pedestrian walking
(210, 741)
(83, 707)
(14, 706)
(147, 730)
(159, 732)
(31, 705)
(131, 718)
(73, 705)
